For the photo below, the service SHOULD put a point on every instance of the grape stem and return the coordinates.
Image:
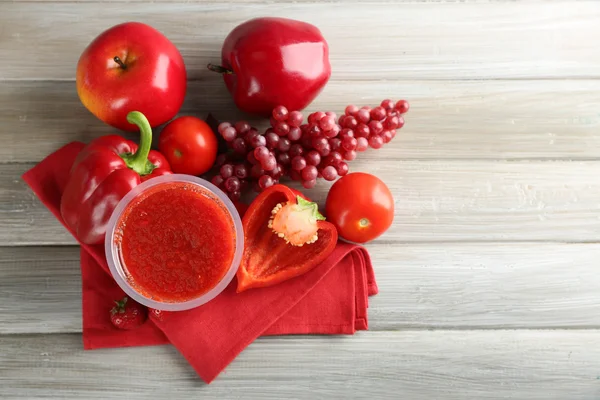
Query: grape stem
(219, 69)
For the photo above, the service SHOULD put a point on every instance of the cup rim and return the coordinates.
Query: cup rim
(114, 262)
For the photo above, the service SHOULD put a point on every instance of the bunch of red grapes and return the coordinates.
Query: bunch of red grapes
(319, 148)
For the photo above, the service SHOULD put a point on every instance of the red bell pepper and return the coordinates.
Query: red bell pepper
(285, 237)
(102, 174)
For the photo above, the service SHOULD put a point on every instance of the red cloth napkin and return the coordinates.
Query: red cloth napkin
(330, 299)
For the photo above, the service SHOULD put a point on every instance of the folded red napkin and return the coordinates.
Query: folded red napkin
(330, 299)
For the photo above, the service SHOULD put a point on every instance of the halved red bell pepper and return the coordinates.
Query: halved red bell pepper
(102, 174)
(285, 237)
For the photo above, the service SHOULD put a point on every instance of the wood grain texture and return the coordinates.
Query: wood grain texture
(448, 120)
(449, 365)
(435, 201)
(389, 41)
(422, 286)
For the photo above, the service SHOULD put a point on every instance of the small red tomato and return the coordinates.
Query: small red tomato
(361, 207)
(189, 145)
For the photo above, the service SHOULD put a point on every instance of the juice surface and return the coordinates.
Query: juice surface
(176, 241)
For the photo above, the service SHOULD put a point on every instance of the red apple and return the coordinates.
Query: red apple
(268, 62)
(131, 67)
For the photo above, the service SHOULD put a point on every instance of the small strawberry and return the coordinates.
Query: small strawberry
(158, 314)
(127, 314)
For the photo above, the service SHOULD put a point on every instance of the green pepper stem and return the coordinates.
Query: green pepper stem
(139, 161)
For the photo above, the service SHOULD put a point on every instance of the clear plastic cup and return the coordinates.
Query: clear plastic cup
(115, 263)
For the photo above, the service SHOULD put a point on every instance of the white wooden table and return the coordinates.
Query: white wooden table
(489, 278)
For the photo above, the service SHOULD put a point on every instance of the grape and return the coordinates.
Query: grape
(362, 130)
(362, 144)
(295, 175)
(349, 155)
(309, 173)
(341, 120)
(251, 134)
(309, 184)
(265, 181)
(269, 163)
(386, 136)
(313, 158)
(351, 110)
(391, 122)
(326, 123)
(314, 131)
(325, 151)
(239, 146)
(282, 129)
(388, 104)
(349, 143)
(217, 180)
(400, 122)
(261, 153)
(256, 171)
(329, 173)
(280, 113)
(331, 114)
(367, 108)
(240, 170)
(222, 126)
(335, 157)
(296, 150)
(232, 184)
(283, 145)
(333, 132)
(298, 163)
(342, 168)
(235, 195)
(319, 143)
(295, 118)
(376, 142)
(378, 113)
(375, 127)
(251, 159)
(335, 144)
(221, 159)
(315, 117)
(402, 106)
(271, 140)
(258, 141)
(242, 127)
(306, 142)
(363, 116)
(393, 133)
(350, 122)
(346, 133)
(226, 171)
(294, 134)
(277, 172)
(283, 158)
(229, 133)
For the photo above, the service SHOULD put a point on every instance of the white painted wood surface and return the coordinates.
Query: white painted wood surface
(489, 283)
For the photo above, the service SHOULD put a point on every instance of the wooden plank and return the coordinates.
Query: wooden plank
(422, 286)
(385, 41)
(435, 201)
(448, 120)
(419, 365)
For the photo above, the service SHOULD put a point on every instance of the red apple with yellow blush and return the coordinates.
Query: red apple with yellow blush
(131, 67)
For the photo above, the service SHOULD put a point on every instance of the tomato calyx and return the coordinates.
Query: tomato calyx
(296, 222)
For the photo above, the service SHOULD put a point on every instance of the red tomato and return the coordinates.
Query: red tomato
(189, 145)
(360, 206)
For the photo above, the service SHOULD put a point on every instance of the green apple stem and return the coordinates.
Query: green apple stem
(120, 62)
(219, 69)
(139, 160)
